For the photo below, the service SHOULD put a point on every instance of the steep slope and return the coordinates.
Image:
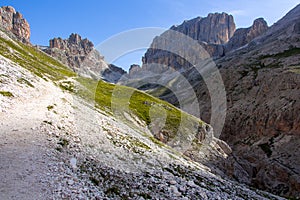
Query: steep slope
(262, 84)
(81, 56)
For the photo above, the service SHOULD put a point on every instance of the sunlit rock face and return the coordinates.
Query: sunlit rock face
(14, 22)
(81, 56)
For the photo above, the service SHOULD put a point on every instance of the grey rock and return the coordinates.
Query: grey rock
(243, 36)
(81, 56)
(216, 28)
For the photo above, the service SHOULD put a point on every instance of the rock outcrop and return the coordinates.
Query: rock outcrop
(243, 36)
(73, 51)
(113, 73)
(81, 56)
(216, 34)
(216, 28)
(14, 22)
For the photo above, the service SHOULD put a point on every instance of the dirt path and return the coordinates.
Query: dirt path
(24, 156)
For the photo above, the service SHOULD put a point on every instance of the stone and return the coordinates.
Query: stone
(172, 182)
(73, 163)
(70, 182)
(191, 184)
(14, 22)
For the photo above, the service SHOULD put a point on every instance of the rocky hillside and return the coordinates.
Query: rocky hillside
(64, 136)
(81, 56)
(13, 22)
(261, 77)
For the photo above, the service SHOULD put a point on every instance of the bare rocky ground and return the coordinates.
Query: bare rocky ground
(57, 146)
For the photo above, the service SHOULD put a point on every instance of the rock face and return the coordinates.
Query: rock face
(243, 36)
(216, 28)
(262, 84)
(216, 34)
(81, 56)
(14, 22)
(211, 32)
(74, 44)
(113, 73)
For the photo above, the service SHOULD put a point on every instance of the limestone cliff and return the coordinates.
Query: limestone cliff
(14, 22)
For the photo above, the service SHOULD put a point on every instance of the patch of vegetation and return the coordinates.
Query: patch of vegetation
(34, 60)
(59, 149)
(24, 81)
(130, 143)
(145, 195)
(112, 191)
(266, 148)
(101, 93)
(156, 141)
(67, 85)
(47, 122)
(50, 107)
(294, 69)
(94, 180)
(286, 53)
(6, 94)
(63, 142)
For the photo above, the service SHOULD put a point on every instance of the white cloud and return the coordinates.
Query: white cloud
(238, 12)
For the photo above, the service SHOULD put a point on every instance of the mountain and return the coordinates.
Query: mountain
(81, 56)
(216, 28)
(260, 69)
(67, 136)
(243, 36)
(216, 34)
(14, 22)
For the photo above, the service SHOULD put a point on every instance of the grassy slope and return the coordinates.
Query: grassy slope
(100, 92)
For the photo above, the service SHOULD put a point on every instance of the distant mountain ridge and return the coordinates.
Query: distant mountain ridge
(216, 33)
(81, 56)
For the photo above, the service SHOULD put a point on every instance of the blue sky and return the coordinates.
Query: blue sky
(99, 20)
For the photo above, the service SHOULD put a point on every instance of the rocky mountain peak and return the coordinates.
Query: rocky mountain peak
(216, 28)
(75, 38)
(81, 56)
(13, 21)
(259, 27)
(243, 36)
(74, 44)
